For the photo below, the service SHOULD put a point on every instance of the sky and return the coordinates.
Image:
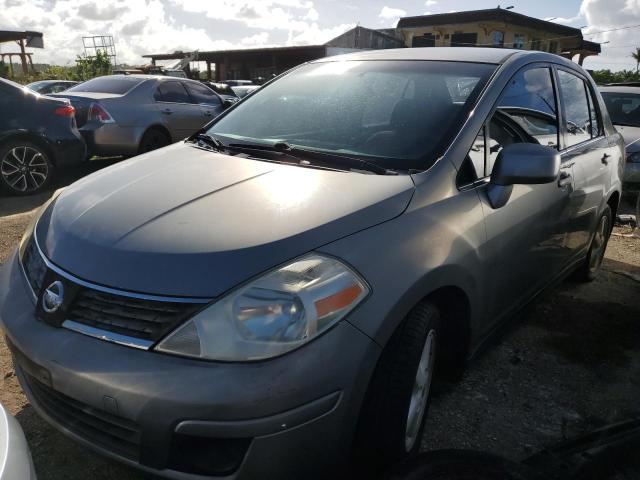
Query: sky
(157, 26)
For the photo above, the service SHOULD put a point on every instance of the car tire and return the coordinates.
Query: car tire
(393, 415)
(588, 271)
(153, 139)
(25, 168)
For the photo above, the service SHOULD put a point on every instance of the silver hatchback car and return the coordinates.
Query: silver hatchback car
(271, 298)
(131, 114)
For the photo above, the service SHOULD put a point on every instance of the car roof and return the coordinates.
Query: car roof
(457, 54)
(143, 76)
(620, 89)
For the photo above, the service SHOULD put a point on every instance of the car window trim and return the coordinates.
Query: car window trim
(172, 103)
(215, 94)
(570, 148)
(549, 66)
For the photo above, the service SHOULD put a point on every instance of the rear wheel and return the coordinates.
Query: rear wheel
(591, 266)
(153, 139)
(25, 168)
(392, 420)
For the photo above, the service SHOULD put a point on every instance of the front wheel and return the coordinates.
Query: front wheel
(392, 420)
(588, 271)
(25, 168)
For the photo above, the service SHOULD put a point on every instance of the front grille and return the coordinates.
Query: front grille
(145, 319)
(99, 427)
(34, 266)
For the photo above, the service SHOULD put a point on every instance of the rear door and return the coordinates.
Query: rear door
(586, 147)
(210, 103)
(179, 114)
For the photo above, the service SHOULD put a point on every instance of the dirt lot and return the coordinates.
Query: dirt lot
(568, 364)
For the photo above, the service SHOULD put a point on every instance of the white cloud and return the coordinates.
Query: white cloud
(430, 3)
(141, 27)
(314, 35)
(602, 15)
(390, 15)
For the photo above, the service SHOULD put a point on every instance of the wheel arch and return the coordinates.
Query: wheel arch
(614, 201)
(159, 127)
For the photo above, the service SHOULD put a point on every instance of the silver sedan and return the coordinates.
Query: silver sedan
(132, 114)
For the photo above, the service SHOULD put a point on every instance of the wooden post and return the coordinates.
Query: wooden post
(23, 57)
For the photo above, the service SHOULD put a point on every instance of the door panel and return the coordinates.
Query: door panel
(178, 114)
(527, 239)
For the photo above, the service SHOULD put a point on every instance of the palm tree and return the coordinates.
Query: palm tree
(636, 57)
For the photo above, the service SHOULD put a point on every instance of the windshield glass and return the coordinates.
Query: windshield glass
(118, 85)
(398, 114)
(623, 108)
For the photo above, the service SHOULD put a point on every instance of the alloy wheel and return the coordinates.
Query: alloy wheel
(24, 169)
(420, 392)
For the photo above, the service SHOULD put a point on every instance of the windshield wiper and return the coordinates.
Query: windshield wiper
(210, 141)
(315, 157)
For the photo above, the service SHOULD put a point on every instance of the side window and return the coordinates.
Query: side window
(526, 113)
(172, 92)
(578, 116)
(596, 130)
(202, 95)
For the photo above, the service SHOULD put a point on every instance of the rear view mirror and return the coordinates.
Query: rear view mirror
(523, 163)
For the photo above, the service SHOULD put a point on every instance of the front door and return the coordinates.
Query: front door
(526, 237)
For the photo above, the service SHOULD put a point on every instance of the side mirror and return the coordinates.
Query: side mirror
(523, 163)
(227, 103)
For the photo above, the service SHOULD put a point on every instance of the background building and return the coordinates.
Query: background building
(495, 27)
(254, 63)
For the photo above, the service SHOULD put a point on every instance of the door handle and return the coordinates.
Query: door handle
(565, 179)
(605, 158)
(167, 111)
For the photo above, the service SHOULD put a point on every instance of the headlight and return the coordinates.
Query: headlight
(633, 157)
(272, 315)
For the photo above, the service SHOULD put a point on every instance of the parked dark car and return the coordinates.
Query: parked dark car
(45, 87)
(131, 114)
(271, 298)
(623, 103)
(38, 134)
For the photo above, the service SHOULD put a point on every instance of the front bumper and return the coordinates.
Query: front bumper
(296, 414)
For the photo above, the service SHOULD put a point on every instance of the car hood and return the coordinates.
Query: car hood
(182, 221)
(631, 137)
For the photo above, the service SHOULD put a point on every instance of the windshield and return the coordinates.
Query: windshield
(398, 114)
(623, 108)
(118, 85)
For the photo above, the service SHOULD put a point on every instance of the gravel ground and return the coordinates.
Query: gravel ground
(568, 364)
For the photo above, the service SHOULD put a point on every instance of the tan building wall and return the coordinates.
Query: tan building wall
(531, 39)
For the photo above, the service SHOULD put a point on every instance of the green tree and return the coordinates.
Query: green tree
(90, 67)
(636, 57)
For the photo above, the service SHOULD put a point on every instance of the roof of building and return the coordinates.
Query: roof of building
(490, 14)
(10, 35)
(458, 54)
(204, 54)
